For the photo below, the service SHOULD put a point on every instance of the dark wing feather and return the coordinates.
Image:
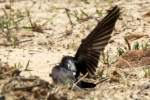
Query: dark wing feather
(88, 53)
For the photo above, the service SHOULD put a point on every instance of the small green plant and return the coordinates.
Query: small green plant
(100, 73)
(82, 16)
(69, 17)
(9, 24)
(33, 25)
(18, 65)
(99, 13)
(76, 15)
(105, 58)
(147, 72)
(15, 41)
(145, 46)
(136, 46)
(72, 45)
(139, 45)
(121, 51)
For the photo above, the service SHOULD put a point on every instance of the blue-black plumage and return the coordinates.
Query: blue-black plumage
(87, 56)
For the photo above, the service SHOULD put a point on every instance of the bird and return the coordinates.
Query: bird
(2, 97)
(86, 59)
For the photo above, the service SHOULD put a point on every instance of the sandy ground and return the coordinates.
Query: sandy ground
(58, 38)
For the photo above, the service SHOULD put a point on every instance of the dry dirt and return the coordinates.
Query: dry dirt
(56, 36)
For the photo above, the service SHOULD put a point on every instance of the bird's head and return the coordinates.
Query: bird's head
(69, 63)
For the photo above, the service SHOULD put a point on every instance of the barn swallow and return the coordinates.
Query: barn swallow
(87, 56)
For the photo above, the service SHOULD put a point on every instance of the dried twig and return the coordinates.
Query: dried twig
(28, 15)
(128, 44)
(102, 80)
(8, 72)
(26, 68)
(35, 27)
(127, 63)
(69, 17)
(26, 87)
(18, 42)
(79, 81)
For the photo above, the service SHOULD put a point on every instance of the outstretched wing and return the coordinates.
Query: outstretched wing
(88, 53)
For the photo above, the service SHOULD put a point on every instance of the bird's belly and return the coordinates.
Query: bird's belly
(62, 76)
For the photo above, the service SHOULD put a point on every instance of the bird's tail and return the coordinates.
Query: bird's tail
(83, 84)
